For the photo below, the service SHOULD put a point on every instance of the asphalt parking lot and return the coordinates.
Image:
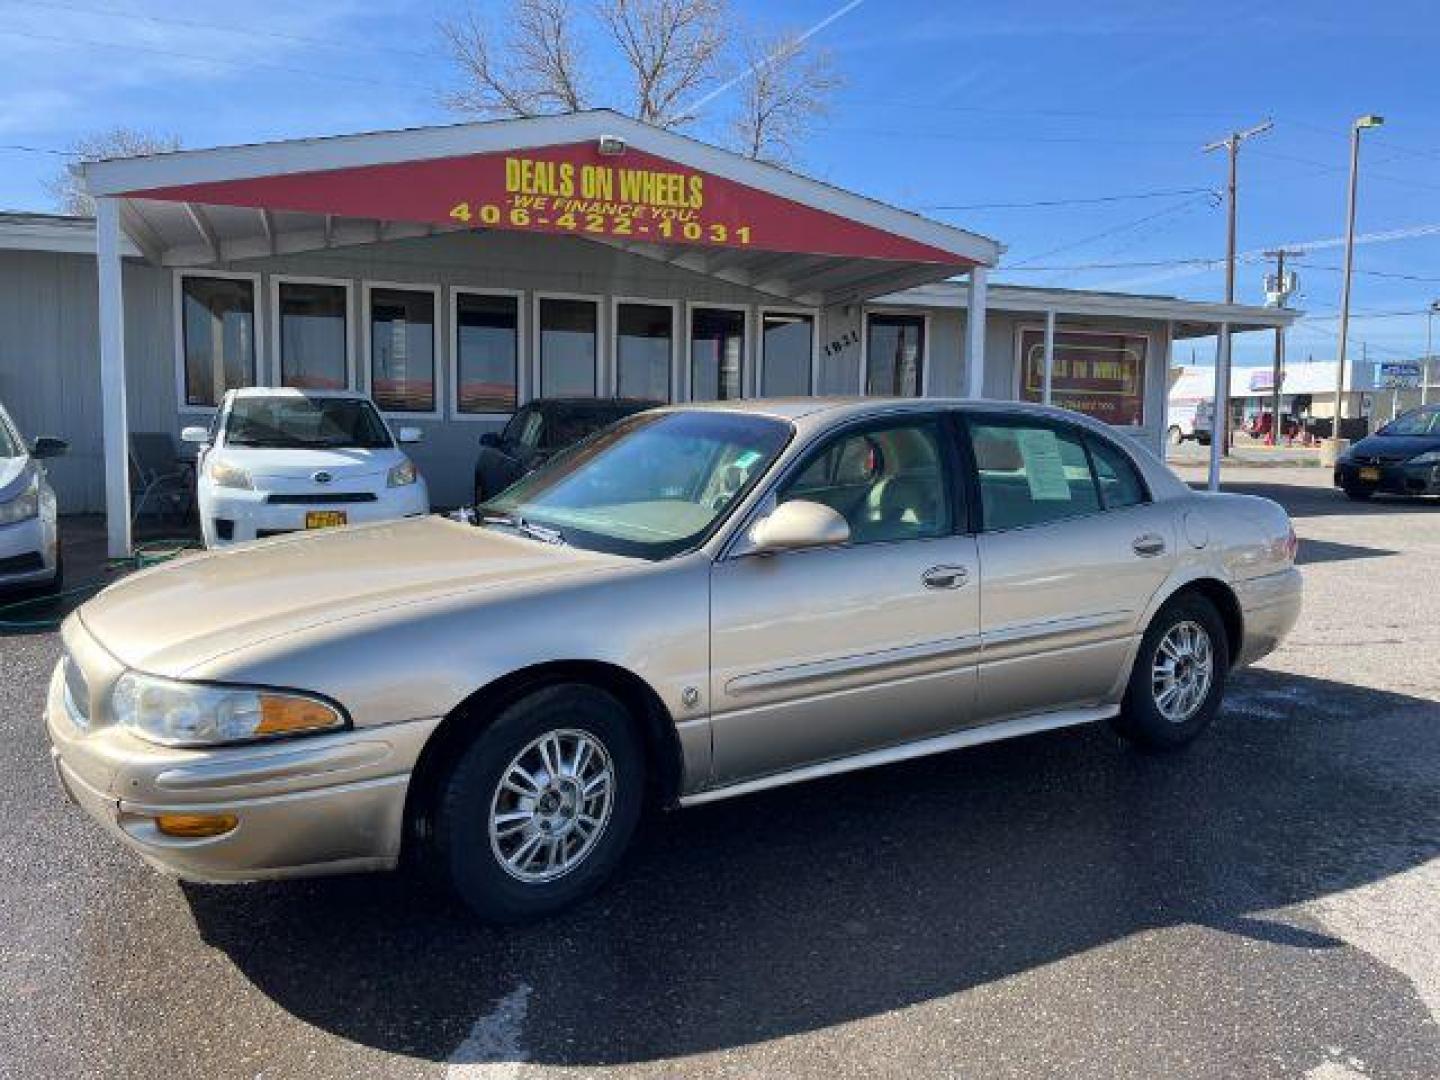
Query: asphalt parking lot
(1266, 903)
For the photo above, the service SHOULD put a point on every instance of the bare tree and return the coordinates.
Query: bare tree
(539, 69)
(788, 89)
(670, 51)
(65, 188)
(672, 48)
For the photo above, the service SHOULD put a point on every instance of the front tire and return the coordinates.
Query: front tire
(541, 805)
(1179, 676)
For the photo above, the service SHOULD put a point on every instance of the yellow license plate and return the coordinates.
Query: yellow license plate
(1370, 474)
(324, 519)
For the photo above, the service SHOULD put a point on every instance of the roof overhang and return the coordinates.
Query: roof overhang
(1189, 318)
(597, 176)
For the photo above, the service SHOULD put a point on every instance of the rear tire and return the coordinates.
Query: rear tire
(1179, 676)
(541, 805)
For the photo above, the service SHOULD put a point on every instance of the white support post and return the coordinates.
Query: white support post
(1047, 394)
(114, 420)
(975, 334)
(1220, 414)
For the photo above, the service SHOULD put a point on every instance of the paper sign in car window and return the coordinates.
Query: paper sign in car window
(1044, 471)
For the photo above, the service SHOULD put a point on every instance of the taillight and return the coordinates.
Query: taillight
(1292, 544)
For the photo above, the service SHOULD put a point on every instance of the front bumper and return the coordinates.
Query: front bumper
(1269, 608)
(29, 552)
(251, 517)
(317, 805)
(1389, 479)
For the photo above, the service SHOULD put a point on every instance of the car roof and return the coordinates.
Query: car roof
(835, 408)
(297, 392)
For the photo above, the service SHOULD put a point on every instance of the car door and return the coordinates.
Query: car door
(1072, 549)
(826, 652)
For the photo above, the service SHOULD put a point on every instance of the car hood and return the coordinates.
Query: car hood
(172, 618)
(13, 476)
(1395, 447)
(341, 463)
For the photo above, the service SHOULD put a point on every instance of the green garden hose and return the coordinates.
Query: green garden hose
(150, 553)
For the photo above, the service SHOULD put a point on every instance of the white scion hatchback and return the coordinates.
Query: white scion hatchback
(277, 461)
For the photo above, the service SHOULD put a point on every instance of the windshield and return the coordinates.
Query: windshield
(298, 421)
(652, 485)
(1419, 422)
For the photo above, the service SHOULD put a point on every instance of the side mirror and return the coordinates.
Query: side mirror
(197, 435)
(410, 435)
(45, 446)
(491, 439)
(796, 525)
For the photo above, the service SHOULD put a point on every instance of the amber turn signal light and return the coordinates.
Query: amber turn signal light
(196, 826)
(285, 715)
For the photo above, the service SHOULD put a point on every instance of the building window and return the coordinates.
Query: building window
(1101, 374)
(487, 352)
(644, 348)
(402, 350)
(717, 353)
(787, 344)
(895, 355)
(314, 335)
(218, 332)
(569, 335)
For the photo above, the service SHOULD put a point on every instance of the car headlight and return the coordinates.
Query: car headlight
(1429, 457)
(402, 474)
(223, 474)
(24, 506)
(197, 714)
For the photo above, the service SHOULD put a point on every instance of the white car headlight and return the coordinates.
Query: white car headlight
(1429, 457)
(402, 474)
(24, 506)
(223, 474)
(196, 714)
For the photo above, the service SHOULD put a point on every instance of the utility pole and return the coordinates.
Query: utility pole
(1278, 291)
(1363, 123)
(1429, 351)
(1220, 418)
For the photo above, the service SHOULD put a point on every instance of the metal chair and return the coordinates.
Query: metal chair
(157, 472)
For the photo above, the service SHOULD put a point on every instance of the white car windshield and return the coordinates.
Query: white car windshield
(652, 485)
(295, 421)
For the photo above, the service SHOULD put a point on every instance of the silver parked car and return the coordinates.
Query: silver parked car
(696, 603)
(29, 523)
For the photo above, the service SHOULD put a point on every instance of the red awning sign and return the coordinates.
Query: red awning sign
(567, 189)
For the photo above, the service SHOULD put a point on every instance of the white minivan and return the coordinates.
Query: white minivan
(279, 460)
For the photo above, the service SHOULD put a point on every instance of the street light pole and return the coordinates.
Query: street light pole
(1336, 444)
(1220, 414)
(1429, 352)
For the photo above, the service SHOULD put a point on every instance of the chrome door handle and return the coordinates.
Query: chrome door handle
(1148, 546)
(945, 577)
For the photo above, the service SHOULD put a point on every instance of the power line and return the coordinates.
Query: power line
(1086, 201)
(37, 150)
(1125, 227)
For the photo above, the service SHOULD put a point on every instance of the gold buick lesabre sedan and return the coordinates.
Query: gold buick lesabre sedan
(697, 602)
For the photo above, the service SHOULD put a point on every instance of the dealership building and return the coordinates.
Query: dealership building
(455, 273)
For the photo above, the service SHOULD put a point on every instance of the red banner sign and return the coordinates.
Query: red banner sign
(568, 189)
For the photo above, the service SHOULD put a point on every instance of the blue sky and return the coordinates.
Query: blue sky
(944, 104)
